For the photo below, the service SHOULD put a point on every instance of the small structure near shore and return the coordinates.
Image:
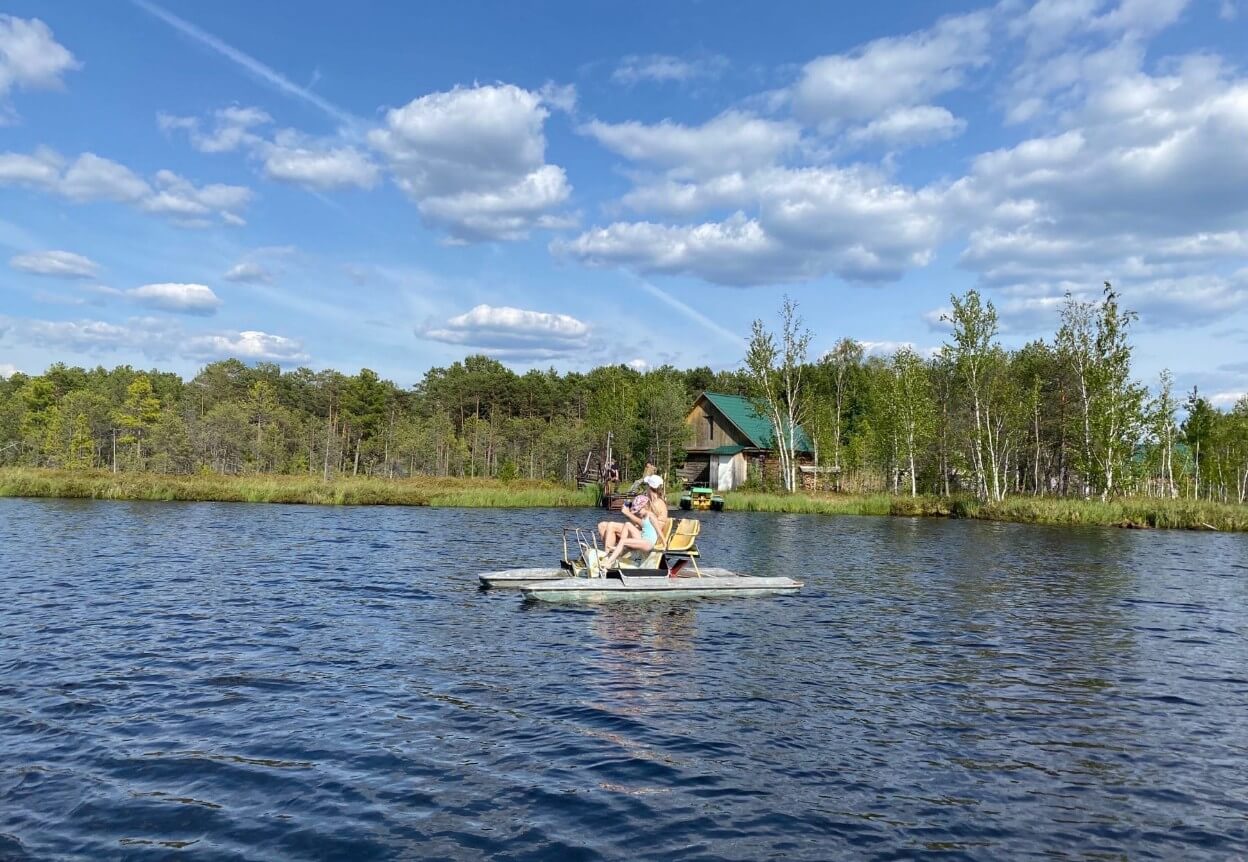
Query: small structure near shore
(731, 438)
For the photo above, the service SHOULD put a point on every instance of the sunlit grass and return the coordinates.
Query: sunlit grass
(1128, 512)
(492, 493)
(346, 491)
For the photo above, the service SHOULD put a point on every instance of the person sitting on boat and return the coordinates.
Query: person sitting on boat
(653, 525)
(638, 487)
(612, 531)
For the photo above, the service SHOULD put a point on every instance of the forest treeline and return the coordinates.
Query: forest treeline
(473, 418)
(1063, 417)
(1059, 417)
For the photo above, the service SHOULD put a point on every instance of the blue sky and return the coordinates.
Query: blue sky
(396, 185)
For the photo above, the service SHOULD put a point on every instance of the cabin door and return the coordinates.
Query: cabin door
(724, 475)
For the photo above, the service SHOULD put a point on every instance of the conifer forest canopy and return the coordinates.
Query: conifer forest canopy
(1062, 416)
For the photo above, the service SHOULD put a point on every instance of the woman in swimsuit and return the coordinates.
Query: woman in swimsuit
(653, 526)
(612, 531)
(634, 513)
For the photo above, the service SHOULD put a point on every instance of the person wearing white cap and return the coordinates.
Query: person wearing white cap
(612, 531)
(634, 513)
(653, 525)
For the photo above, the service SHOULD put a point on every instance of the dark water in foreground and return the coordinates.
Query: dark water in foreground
(268, 682)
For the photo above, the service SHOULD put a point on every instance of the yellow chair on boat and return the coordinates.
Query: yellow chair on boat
(682, 540)
(679, 540)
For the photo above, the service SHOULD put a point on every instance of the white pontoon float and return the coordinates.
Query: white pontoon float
(662, 572)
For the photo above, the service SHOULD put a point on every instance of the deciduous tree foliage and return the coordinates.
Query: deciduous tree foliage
(1055, 417)
(473, 418)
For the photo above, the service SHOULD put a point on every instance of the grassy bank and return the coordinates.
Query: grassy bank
(1140, 512)
(492, 493)
(360, 491)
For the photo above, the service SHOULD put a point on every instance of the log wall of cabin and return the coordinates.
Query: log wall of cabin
(709, 435)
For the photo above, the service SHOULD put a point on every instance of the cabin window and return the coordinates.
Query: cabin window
(710, 428)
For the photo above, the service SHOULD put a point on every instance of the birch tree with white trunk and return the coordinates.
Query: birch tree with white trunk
(914, 408)
(978, 360)
(776, 371)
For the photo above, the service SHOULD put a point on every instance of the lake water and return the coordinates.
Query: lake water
(271, 682)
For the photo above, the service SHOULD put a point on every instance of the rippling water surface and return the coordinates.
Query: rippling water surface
(265, 682)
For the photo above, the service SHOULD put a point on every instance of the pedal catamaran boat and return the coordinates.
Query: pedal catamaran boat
(670, 570)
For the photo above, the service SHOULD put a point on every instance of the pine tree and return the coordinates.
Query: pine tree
(137, 414)
(81, 454)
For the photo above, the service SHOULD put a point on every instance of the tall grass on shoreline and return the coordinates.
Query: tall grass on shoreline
(1143, 512)
(1138, 512)
(346, 491)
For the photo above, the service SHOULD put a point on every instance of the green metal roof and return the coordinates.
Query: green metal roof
(726, 450)
(756, 427)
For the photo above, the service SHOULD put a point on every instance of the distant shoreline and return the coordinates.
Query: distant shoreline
(1130, 512)
(275, 488)
(1135, 512)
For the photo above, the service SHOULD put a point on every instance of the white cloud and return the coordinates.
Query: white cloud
(261, 265)
(1227, 400)
(232, 129)
(664, 68)
(513, 333)
(59, 264)
(810, 222)
(1188, 301)
(8, 369)
(248, 345)
(94, 178)
(156, 338)
(886, 349)
(184, 201)
(561, 97)
(473, 160)
(732, 141)
(1139, 178)
(41, 169)
(891, 72)
(30, 58)
(287, 156)
(736, 251)
(1140, 17)
(1047, 24)
(909, 126)
(676, 197)
(319, 167)
(503, 213)
(1228, 11)
(249, 271)
(196, 299)
(1074, 47)
(90, 336)
(1148, 185)
(1163, 303)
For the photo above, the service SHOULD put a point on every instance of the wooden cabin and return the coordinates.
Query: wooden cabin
(729, 439)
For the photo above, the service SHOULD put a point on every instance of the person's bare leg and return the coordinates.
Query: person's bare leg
(623, 532)
(632, 541)
(610, 532)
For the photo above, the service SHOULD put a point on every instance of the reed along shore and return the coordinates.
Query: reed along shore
(271, 488)
(1138, 512)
